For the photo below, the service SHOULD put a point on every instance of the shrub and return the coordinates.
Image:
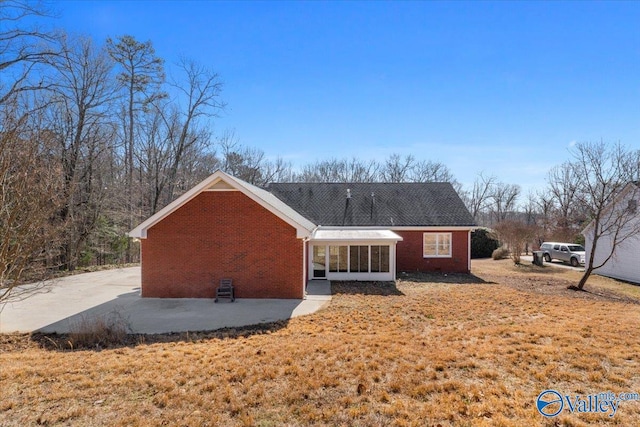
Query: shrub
(515, 234)
(500, 253)
(482, 243)
(101, 331)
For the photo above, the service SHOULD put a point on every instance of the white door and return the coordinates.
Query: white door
(319, 262)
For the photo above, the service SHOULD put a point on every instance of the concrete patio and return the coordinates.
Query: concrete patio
(83, 297)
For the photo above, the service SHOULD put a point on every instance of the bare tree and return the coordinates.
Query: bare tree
(564, 184)
(196, 166)
(142, 73)
(153, 157)
(81, 94)
(29, 189)
(23, 46)
(503, 200)
(165, 152)
(277, 170)
(530, 208)
(396, 168)
(430, 171)
(545, 205)
(240, 161)
(604, 171)
(478, 198)
(320, 171)
(340, 170)
(357, 170)
(531, 215)
(202, 96)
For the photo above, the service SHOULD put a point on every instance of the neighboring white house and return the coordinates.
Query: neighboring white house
(625, 262)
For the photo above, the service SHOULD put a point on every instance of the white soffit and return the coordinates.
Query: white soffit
(220, 185)
(354, 235)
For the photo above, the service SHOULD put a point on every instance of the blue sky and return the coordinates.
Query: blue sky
(499, 87)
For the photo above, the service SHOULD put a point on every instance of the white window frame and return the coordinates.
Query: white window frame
(438, 237)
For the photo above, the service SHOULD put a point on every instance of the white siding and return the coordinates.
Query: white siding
(625, 263)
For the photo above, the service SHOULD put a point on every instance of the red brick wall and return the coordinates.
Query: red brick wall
(222, 234)
(409, 253)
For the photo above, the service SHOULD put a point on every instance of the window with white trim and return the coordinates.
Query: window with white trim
(436, 245)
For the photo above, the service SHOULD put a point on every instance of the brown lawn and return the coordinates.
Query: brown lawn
(456, 350)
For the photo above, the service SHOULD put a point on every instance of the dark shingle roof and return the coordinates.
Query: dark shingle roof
(392, 204)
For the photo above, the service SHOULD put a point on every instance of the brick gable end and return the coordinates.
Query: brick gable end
(222, 234)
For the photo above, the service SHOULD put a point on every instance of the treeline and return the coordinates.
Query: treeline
(94, 138)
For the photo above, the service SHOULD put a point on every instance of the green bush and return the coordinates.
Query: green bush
(482, 244)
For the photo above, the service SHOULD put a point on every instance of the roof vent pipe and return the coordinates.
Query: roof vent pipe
(373, 202)
(346, 207)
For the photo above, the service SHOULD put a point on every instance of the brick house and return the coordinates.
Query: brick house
(271, 241)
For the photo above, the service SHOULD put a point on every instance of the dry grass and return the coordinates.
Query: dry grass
(98, 332)
(516, 275)
(436, 350)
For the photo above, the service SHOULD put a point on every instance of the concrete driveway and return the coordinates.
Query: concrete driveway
(83, 297)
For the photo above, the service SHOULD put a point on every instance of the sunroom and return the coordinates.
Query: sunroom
(353, 254)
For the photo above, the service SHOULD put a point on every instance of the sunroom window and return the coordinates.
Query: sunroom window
(359, 259)
(338, 259)
(379, 259)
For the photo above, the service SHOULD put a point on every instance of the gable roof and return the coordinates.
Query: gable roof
(376, 204)
(220, 181)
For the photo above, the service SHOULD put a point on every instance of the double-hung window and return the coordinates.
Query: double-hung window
(436, 245)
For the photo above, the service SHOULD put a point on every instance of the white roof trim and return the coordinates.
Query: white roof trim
(434, 228)
(629, 187)
(401, 228)
(354, 234)
(267, 200)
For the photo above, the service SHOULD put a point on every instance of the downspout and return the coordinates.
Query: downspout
(140, 252)
(393, 259)
(304, 262)
(304, 267)
(469, 251)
